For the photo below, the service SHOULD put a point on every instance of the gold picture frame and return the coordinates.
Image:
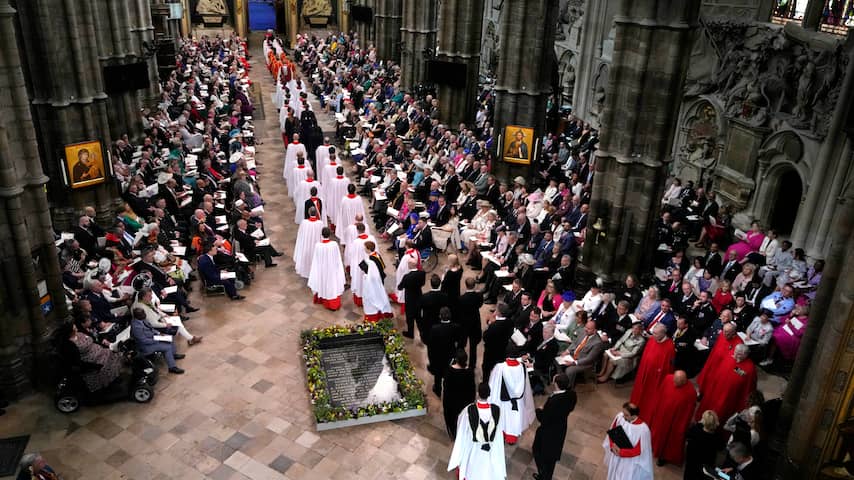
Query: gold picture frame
(84, 163)
(518, 144)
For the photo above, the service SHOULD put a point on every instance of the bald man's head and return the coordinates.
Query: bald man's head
(679, 378)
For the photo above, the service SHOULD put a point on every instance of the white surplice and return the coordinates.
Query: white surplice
(308, 235)
(515, 379)
(374, 297)
(353, 256)
(298, 174)
(328, 172)
(638, 467)
(474, 462)
(321, 156)
(333, 192)
(349, 208)
(291, 159)
(326, 279)
(303, 193)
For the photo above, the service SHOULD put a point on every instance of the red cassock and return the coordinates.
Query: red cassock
(656, 362)
(727, 390)
(723, 348)
(670, 419)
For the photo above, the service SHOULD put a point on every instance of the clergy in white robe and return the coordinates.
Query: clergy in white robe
(298, 174)
(634, 463)
(329, 171)
(304, 192)
(511, 390)
(321, 155)
(478, 448)
(374, 297)
(351, 205)
(326, 279)
(308, 236)
(291, 152)
(347, 233)
(353, 256)
(334, 192)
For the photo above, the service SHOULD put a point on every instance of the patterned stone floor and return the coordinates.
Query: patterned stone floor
(242, 412)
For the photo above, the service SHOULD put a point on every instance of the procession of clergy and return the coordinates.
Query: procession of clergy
(328, 208)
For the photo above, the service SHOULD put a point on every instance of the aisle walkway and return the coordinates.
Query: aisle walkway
(241, 410)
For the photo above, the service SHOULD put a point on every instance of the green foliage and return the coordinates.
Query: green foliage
(410, 387)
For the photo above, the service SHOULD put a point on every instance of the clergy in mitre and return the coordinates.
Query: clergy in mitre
(334, 191)
(353, 256)
(326, 279)
(632, 461)
(321, 155)
(298, 174)
(374, 297)
(511, 390)
(308, 236)
(305, 190)
(294, 148)
(351, 205)
(478, 449)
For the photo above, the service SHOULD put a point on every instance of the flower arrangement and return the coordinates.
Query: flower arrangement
(411, 391)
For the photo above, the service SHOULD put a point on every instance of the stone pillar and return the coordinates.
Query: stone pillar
(523, 80)
(143, 27)
(343, 18)
(366, 30)
(69, 104)
(418, 36)
(651, 54)
(820, 393)
(388, 16)
(28, 261)
(459, 42)
(813, 14)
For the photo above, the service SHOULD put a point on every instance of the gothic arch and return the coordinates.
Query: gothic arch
(781, 153)
(599, 88)
(568, 66)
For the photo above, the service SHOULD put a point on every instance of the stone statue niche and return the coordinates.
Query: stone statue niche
(212, 13)
(698, 140)
(570, 12)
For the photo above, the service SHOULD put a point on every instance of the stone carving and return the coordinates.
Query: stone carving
(765, 76)
(597, 102)
(567, 76)
(211, 7)
(570, 12)
(316, 8)
(702, 138)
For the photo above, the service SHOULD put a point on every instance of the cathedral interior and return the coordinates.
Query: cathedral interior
(749, 102)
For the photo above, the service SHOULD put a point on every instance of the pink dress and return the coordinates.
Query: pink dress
(787, 344)
(751, 243)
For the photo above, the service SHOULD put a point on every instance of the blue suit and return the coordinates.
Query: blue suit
(143, 334)
(211, 273)
(668, 320)
(782, 306)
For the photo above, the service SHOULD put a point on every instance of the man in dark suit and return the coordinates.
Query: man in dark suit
(548, 441)
(746, 467)
(243, 236)
(533, 330)
(714, 261)
(702, 314)
(161, 280)
(411, 284)
(732, 267)
(662, 315)
(683, 342)
(445, 337)
(443, 213)
(498, 331)
(212, 275)
(452, 184)
(467, 315)
(423, 237)
(430, 305)
(513, 298)
(85, 236)
(523, 314)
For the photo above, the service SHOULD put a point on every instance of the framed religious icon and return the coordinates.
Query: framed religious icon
(85, 164)
(518, 144)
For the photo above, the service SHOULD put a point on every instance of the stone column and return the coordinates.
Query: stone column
(366, 30)
(69, 104)
(651, 54)
(387, 18)
(27, 254)
(144, 29)
(523, 80)
(459, 42)
(418, 36)
(818, 395)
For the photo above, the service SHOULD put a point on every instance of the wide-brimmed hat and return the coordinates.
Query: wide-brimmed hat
(520, 180)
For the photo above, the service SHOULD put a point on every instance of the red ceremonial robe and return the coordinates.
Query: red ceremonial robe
(723, 348)
(670, 419)
(727, 390)
(656, 362)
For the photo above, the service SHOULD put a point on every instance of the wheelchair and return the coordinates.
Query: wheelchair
(429, 259)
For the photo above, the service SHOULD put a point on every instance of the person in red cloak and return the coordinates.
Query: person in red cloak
(671, 417)
(726, 391)
(724, 346)
(656, 362)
